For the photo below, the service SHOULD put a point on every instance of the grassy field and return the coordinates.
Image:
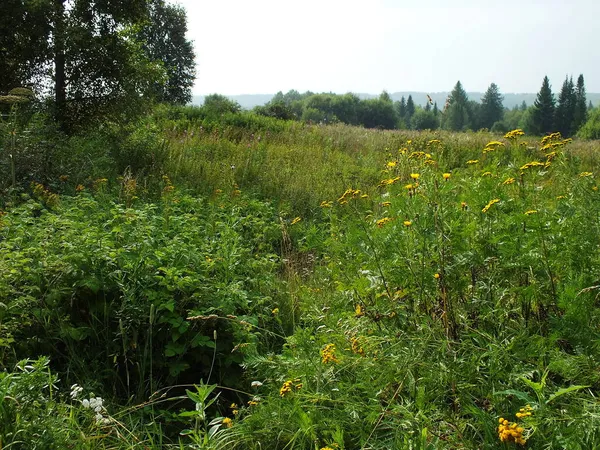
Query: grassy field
(248, 283)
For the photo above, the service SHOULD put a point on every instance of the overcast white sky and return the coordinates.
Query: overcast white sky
(366, 46)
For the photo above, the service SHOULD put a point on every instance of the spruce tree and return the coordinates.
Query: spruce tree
(580, 105)
(564, 114)
(457, 117)
(491, 107)
(543, 109)
(410, 109)
(402, 108)
(436, 110)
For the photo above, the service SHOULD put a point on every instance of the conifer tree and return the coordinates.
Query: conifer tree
(436, 110)
(410, 109)
(564, 114)
(543, 109)
(580, 105)
(457, 115)
(491, 107)
(402, 108)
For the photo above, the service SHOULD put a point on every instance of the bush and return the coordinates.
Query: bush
(591, 129)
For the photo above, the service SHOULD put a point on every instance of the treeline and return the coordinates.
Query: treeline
(567, 114)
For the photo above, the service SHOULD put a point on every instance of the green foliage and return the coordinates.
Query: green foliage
(457, 116)
(424, 120)
(239, 281)
(564, 114)
(164, 39)
(543, 112)
(216, 104)
(491, 107)
(130, 279)
(591, 129)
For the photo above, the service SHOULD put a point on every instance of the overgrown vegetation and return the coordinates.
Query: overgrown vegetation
(210, 278)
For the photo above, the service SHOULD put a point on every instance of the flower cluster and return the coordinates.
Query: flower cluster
(382, 222)
(328, 354)
(326, 204)
(510, 432)
(489, 205)
(531, 164)
(349, 194)
(289, 386)
(44, 195)
(509, 180)
(514, 134)
(491, 146)
(356, 347)
(525, 411)
(96, 405)
(388, 181)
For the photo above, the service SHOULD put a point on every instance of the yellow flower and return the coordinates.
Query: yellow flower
(79, 188)
(463, 205)
(436, 276)
(407, 223)
(326, 204)
(533, 164)
(514, 134)
(391, 164)
(286, 388)
(382, 222)
(275, 311)
(386, 204)
(489, 205)
(296, 220)
(227, 422)
(414, 176)
(508, 181)
(446, 176)
(472, 161)
(486, 174)
(530, 212)
(585, 174)
(328, 354)
(358, 311)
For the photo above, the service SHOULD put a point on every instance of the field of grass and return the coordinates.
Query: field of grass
(248, 283)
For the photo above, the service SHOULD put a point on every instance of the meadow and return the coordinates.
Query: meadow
(244, 282)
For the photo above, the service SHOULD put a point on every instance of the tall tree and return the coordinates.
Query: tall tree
(457, 117)
(89, 54)
(164, 40)
(581, 110)
(492, 109)
(543, 109)
(402, 108)
(436, 110)
(24, 46)
(410, 109)
(564, 114)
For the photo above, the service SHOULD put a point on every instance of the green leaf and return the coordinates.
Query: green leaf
(563, 391)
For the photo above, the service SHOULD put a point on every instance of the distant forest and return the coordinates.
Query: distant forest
(457, 110)
(250, 101)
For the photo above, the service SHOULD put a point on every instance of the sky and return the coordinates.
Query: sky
(367, 46)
